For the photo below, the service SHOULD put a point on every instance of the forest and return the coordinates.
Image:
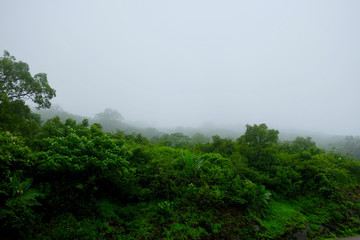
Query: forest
(80, 179)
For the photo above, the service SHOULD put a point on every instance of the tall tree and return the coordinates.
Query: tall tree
(258, 145)
(110, 119)
(16, 83)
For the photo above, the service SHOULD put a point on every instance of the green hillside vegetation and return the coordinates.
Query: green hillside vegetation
(72, 180)
(110, 120)
(347, 145)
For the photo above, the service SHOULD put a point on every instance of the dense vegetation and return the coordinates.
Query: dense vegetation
(72, 180)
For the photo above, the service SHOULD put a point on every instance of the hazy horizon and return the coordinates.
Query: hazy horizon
(291, 65)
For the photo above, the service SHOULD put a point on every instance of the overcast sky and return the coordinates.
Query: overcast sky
(289, 64)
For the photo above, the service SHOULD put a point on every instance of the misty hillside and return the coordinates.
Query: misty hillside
(68, 177)
(178, 120)
(114, 121)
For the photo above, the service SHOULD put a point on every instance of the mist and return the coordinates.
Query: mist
(165, 64)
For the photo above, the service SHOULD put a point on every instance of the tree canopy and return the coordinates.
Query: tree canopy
(16, 83)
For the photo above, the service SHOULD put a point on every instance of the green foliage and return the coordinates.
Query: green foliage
(17, 215)
(72, 180)
(259, 135)
(14, 155)
(67, 226)
(303, 144)
(85, 160)
(165, 210)
(351, 146)
(258, 145)
(17, 83)
(280, 219)
(175, 140)
(200, 138)
(225, 147)
(16, 117)
(110, 119)
(57, 110)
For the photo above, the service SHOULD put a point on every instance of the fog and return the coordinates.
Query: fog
(289, 64)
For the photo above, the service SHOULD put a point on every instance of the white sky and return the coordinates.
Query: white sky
(289, 64)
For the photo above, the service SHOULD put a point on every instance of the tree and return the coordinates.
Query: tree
(200, 138)
(258, 146)
(109, 114)
(175, 140)
(16, 116)
(259, 135)
(16, 83)
(110, 119)
(351, 146)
